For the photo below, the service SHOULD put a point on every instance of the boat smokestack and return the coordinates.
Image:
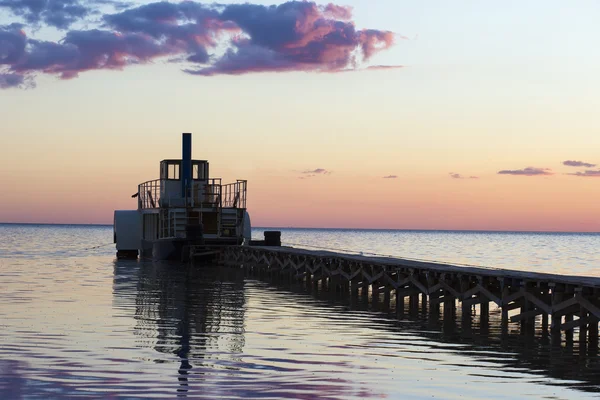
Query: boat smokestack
(186, 163)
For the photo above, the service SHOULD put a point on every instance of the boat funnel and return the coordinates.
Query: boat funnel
(186, 163)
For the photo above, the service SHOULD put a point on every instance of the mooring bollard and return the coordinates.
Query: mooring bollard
(272, 238)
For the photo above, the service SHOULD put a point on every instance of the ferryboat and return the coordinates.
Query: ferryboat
(185, 209)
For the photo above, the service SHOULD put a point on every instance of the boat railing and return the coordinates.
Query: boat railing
(206, 194)
(149, 194)
(234, 194)
(210, 193)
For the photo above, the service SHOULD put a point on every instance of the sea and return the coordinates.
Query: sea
(75, 322)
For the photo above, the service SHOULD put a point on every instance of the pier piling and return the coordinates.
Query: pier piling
(562, 304)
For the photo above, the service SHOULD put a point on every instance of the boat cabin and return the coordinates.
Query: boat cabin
(185, 203)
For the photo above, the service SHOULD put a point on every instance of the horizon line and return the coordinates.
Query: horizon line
(331, 228)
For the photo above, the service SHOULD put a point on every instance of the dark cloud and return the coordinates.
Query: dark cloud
(12, 44)
(79, 51)
(245, 57)
(293, 36)
(390, 177)
(12, 81)
(571, 163)
(587, 174)
(318, 171)
(185, 22)
(89, 50)
(57, 13)
(529, 171)
(188, 28)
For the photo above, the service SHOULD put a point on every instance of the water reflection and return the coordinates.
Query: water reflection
(432, 332)
(197, 317)
(191, 313)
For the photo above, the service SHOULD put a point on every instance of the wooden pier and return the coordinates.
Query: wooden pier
(558, 306)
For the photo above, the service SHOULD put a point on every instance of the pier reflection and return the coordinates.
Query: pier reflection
(467, 332)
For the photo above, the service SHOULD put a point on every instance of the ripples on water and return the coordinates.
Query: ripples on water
(77, 323)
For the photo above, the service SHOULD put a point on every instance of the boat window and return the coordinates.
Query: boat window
(173, 172)
(200, 171)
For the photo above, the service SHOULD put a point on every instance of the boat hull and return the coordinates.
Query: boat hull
(163, 249)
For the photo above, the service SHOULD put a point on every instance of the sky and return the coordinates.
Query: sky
(389, 114)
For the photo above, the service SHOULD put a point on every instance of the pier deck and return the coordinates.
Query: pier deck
(556, 305)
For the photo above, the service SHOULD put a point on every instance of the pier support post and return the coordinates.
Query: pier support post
(424, 303)
(413, 304)
(555, 331)
(545, 325)
(386, 298)
(583, 328)
(334, 287)
(546, 299)
(593, 335)
(434, 301)
(569, 331)
(354, 288)
(504, 322)
(434, 305)
(449, 321)
(375, 294)
(291, 276)
(484, 316)
(315, 283)
(449, 305)
(544, 295)
(364, 291)
(399, 303)
(526, 321)
(345, 286)
(465, 305)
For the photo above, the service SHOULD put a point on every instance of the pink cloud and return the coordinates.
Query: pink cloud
(454, 175)
(338, 12)
(587, 174)
(292, 36)
(571, 163)
(385, 67)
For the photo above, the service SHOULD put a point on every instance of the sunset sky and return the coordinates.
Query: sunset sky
(485, 120)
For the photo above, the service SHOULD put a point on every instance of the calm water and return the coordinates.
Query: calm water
(76, 323)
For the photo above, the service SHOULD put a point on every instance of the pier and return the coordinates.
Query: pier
(560, 308)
